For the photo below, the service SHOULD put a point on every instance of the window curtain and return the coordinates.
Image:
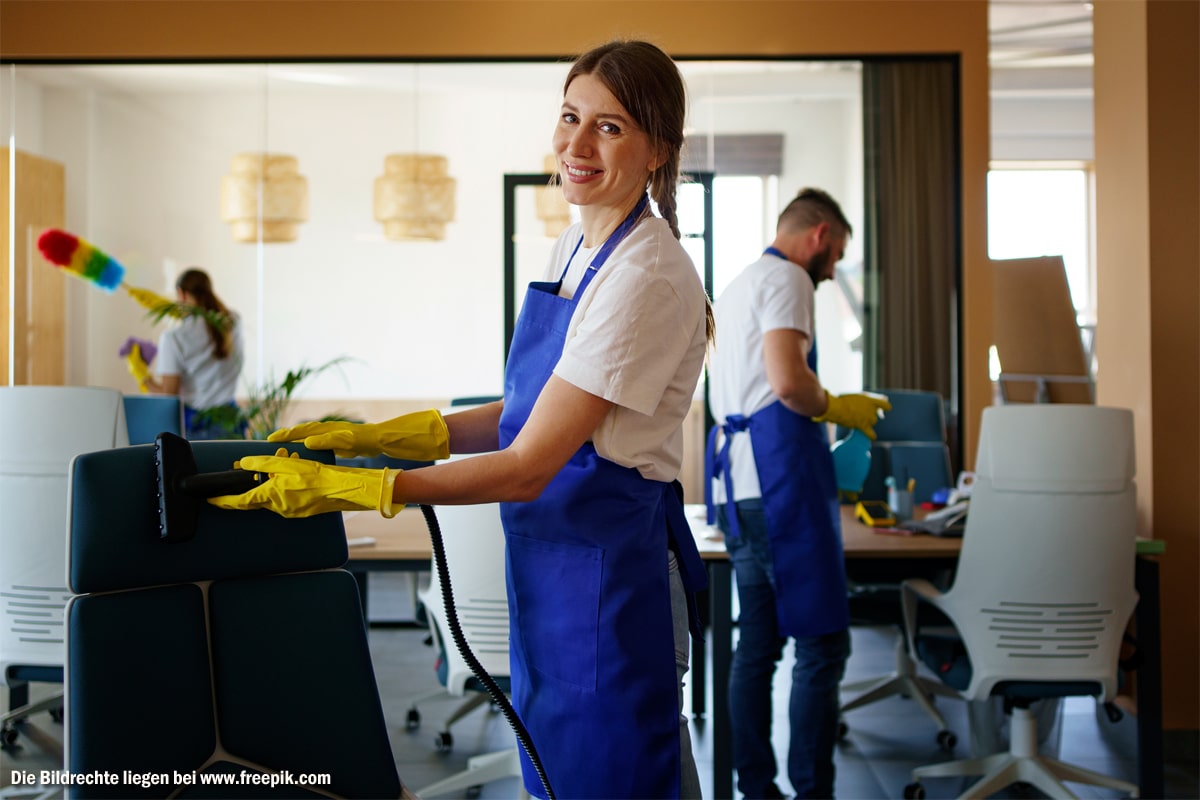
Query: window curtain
(911, 244)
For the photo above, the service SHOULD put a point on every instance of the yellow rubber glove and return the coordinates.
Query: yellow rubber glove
(860, 411)
(420, 436)
(138, 367)
(151, 301)
(301, 488)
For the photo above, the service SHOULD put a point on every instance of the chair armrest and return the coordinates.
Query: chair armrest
(912, 591)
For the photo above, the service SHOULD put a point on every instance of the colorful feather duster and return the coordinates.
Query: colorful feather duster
(84, 260)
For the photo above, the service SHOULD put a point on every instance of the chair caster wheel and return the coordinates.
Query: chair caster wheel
(413, 720)
(444, 742)
(8, 736)
(947, 740)
(842, 730)
(914, 791)
(1023, 789)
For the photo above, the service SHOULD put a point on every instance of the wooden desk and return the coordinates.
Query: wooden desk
(403, 543)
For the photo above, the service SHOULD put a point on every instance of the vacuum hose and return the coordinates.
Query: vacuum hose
(460, 641)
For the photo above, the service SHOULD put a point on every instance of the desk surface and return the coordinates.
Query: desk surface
(405, 538)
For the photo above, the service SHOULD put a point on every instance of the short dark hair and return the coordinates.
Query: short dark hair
(810, 208)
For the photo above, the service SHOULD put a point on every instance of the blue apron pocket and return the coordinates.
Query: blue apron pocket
(557, 591)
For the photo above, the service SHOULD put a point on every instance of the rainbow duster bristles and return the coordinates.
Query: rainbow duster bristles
(82, 258)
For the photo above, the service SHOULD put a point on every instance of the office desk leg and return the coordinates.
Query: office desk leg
(1149, 680)
(720, 588)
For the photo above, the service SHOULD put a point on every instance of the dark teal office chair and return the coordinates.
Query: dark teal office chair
(241, 651)
(910, 442)
(148, 415)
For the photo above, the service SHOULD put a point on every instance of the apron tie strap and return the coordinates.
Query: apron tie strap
(687, 555)
(717, 466)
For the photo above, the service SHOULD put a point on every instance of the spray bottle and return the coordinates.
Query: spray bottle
(851, 462)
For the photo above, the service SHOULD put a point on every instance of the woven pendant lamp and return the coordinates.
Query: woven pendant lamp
(552, 208)
(283, 190)
(414, 198)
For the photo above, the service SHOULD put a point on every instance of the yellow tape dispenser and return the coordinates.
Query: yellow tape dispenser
(875, 513)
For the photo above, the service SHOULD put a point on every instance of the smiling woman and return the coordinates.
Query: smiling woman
(583, 452)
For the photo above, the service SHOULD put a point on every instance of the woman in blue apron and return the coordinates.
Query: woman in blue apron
(587, 446)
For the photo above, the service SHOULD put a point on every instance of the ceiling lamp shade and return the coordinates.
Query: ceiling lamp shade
(284, 193)
(552, 208)
(414, 197)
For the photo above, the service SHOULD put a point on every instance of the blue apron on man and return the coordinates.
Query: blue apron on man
(800, 501)
(592, 651)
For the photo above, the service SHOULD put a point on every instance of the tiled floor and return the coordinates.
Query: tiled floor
(885, 741)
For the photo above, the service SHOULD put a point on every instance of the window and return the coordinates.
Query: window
(1042, 210)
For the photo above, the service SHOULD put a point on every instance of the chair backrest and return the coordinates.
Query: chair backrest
(242, 649)
(41, 429)
(148, 415)
(474, 541)
(1045, 582)
(473, 537)
(916, 416)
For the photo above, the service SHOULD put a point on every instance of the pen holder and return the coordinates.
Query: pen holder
(901, 503)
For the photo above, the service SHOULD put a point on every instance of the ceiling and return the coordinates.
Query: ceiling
(1036, 46)
(1028, 34)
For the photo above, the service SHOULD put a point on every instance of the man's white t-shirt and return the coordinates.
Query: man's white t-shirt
(770, 294)
(185, 349)
(637, 339)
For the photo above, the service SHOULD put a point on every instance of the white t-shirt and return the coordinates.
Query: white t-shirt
(637, 339)
(186, 350)
(770, 294)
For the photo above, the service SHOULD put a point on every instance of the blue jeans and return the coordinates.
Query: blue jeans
(820, 665)
(199, 427)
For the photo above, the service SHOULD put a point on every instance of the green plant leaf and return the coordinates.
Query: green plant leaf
(222, 322)
(265, 405)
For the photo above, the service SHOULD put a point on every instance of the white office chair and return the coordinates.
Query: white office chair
(1045, 583)
(41, 429)
(474, 543)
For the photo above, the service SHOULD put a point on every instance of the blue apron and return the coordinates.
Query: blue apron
(800, 501)
(592, 650)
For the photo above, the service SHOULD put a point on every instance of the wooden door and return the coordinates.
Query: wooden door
(33, 333)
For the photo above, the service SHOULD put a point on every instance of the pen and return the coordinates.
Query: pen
(912, 484)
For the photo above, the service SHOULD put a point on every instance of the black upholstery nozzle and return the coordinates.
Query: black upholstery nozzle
(182, 490)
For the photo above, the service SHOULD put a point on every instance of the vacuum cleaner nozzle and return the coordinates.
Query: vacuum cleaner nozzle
(182, 490)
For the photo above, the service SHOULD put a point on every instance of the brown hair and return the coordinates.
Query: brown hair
(197, 284)
(647, 83)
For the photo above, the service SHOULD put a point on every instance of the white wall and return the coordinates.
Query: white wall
(1042, 114)
(419, 319)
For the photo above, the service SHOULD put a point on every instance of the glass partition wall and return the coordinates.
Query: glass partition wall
(377, 234)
